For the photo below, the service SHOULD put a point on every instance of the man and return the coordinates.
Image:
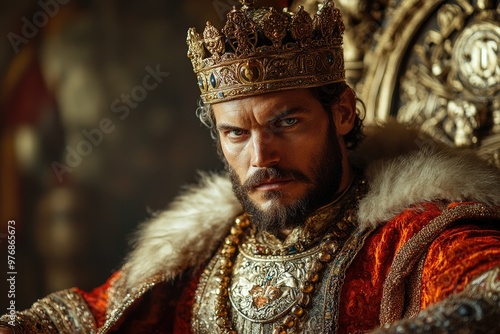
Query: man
(296, 238)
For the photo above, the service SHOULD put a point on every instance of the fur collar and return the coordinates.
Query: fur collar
(400, 172)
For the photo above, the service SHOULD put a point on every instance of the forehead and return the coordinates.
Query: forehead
(265, 105)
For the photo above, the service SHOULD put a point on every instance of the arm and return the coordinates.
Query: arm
(68, 311)
(60, 312)
(456, 290)
(474, 310)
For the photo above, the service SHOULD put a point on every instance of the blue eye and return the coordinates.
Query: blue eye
(287, 122)
(235, 133)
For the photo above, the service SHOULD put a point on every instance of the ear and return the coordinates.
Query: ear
(344, 112)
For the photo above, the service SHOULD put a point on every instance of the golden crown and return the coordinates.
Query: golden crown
(262, 50)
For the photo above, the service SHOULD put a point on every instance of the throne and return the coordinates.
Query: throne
(432, 64)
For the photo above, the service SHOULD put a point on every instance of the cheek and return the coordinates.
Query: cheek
(235, 156)
(306, 148)
(230, 150)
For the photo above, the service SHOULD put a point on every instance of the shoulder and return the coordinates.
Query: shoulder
(406, 171)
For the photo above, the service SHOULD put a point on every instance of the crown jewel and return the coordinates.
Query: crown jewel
(261, 50)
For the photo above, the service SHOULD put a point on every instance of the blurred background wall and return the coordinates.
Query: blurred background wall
(97, 131)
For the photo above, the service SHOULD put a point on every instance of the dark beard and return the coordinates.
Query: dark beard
(327, 175)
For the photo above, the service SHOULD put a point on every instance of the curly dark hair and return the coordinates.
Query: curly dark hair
(327, 95)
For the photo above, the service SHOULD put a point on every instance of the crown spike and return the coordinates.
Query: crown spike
(274, 26)
(213, 41)
(241, 32)
(302, 27)
(195, 48)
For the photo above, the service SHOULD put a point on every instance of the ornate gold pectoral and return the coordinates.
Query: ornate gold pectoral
(264, 290)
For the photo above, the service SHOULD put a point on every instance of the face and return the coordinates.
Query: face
(283, 155)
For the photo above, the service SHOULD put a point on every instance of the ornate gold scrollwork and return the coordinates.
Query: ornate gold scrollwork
(452, 88)
(434, 64)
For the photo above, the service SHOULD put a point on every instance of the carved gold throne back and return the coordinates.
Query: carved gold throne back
(431, 63)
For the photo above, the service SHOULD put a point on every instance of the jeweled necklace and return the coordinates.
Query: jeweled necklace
(327, 248)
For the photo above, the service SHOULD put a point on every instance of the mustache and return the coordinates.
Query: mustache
(272, 173)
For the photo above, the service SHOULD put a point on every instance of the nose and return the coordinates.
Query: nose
(264, 152)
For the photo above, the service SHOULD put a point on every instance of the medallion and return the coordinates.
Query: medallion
(264, 290)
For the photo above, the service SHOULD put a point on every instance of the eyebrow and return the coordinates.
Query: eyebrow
(283, 114)
(226, 127)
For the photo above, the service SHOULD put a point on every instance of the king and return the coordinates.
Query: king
(311, 227)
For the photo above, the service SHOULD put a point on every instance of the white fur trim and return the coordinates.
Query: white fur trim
(186, 233)
(426, 175)
(404, 167)
(399, 174)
